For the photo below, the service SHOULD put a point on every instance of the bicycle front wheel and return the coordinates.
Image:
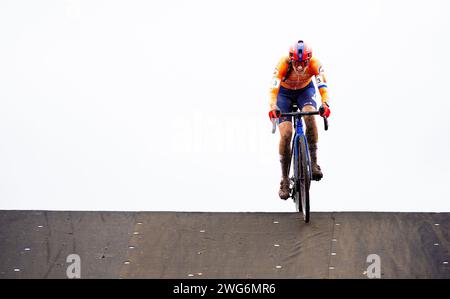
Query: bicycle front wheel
(304, 180)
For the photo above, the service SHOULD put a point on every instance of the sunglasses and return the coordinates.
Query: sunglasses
(303, 63)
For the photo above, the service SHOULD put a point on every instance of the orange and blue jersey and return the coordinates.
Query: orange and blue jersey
(295, 80)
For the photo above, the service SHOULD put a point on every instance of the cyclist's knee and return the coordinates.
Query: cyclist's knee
(309, 119)
(285, 130)
(308, 108)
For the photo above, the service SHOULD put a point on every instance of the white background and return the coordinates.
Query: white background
(162, 105)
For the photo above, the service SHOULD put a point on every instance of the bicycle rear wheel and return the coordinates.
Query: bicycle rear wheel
(303, 181)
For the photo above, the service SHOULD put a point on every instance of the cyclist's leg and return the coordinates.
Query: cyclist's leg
(284, 103)
(306, 102)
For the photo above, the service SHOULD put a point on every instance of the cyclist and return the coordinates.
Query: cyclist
(292, 83)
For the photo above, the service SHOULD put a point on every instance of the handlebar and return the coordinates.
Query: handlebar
(325, 120)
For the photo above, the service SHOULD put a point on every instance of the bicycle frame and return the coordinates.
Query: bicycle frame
(299, 133)
(300, 180)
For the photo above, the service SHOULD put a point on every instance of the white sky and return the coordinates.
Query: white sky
(162, 105)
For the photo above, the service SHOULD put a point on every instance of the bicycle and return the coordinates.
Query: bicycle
(300, 181)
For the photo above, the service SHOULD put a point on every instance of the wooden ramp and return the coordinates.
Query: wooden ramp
(36, 244)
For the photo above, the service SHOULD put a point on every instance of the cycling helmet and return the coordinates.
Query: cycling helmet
(300, 51)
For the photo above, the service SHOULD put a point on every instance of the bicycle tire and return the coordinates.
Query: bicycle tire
(304, 180)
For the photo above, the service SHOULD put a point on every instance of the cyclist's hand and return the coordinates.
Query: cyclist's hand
(324, 110)
(274, 113)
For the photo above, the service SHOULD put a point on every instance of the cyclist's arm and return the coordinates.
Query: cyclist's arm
(321, 81)
(278, 74)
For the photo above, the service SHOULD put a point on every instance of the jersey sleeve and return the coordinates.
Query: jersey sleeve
(278, 74)
(321, 80)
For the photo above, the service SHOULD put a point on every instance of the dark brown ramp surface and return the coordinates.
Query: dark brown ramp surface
(36, 244)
